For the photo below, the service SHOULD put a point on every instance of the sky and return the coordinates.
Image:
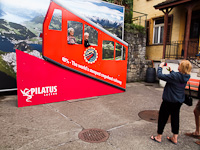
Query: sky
(84, 7)
(19, 11)
(30, 4)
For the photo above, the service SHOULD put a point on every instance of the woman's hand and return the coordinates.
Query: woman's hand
(162, 64)
(169, 69)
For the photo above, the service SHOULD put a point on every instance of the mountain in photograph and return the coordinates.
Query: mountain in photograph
(16, 36)
(113, 27)
(13, 35)
(38, 19)
(35, 24)
(14, 31)
(8, 63)
(34, 21)
(104, 22)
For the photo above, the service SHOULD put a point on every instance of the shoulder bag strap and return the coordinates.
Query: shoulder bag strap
(189, 90)
(199, 91)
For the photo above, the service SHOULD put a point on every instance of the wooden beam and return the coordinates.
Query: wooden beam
(187, 33)
(188, 25)
(166, 12)
(165, 34)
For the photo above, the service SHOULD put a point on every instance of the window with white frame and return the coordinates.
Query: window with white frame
(158, 31)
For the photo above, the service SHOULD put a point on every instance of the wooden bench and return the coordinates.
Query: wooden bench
(194, 87)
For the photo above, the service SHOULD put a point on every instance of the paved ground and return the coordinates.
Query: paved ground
(56, 126)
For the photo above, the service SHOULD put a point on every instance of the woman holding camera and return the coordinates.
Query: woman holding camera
(173, 97)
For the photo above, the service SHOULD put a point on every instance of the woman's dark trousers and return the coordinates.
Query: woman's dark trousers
(167, 109)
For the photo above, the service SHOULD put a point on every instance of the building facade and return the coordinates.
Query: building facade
(172, 28)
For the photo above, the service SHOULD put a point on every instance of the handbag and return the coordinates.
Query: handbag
(188, 98)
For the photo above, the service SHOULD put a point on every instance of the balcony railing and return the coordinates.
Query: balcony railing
(175, 49)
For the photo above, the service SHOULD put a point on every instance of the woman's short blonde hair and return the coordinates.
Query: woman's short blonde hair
(70, 30)
(185, 67)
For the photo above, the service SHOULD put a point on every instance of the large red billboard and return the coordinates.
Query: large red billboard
(105, 59)
(82, 59)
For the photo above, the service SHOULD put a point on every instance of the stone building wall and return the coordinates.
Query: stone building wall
(137, 65)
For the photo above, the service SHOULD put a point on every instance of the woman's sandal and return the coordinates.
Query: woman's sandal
(154, 139)
(170, 139)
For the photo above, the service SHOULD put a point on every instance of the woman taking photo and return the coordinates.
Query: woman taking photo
(173, 97)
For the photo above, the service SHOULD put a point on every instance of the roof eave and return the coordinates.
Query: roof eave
(169, 5)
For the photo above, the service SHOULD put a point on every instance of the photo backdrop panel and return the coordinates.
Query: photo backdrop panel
(21, 24)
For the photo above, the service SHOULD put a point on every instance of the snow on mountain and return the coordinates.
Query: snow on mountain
(34, 53)
(10, 58)
(104, 22)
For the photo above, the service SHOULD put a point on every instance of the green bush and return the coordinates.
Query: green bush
(130, 27)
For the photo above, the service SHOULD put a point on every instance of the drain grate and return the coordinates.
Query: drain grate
(150, 115)
(93, 135)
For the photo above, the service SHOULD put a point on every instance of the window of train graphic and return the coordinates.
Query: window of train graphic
(56, 20)
(105, 59)
(93, 35)
(111, 52)
(75, 30)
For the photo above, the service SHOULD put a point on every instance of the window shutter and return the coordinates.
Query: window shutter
(169, 28)
(147, 32)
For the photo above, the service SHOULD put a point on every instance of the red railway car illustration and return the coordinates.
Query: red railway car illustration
(102, 57)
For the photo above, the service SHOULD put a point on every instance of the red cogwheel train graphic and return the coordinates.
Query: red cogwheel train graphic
(90, 55)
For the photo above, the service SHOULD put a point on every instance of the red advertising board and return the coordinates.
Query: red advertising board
(81, 59)
(104, 60)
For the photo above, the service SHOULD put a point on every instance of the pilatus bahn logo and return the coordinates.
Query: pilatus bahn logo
(90, 55)
(46, 91)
